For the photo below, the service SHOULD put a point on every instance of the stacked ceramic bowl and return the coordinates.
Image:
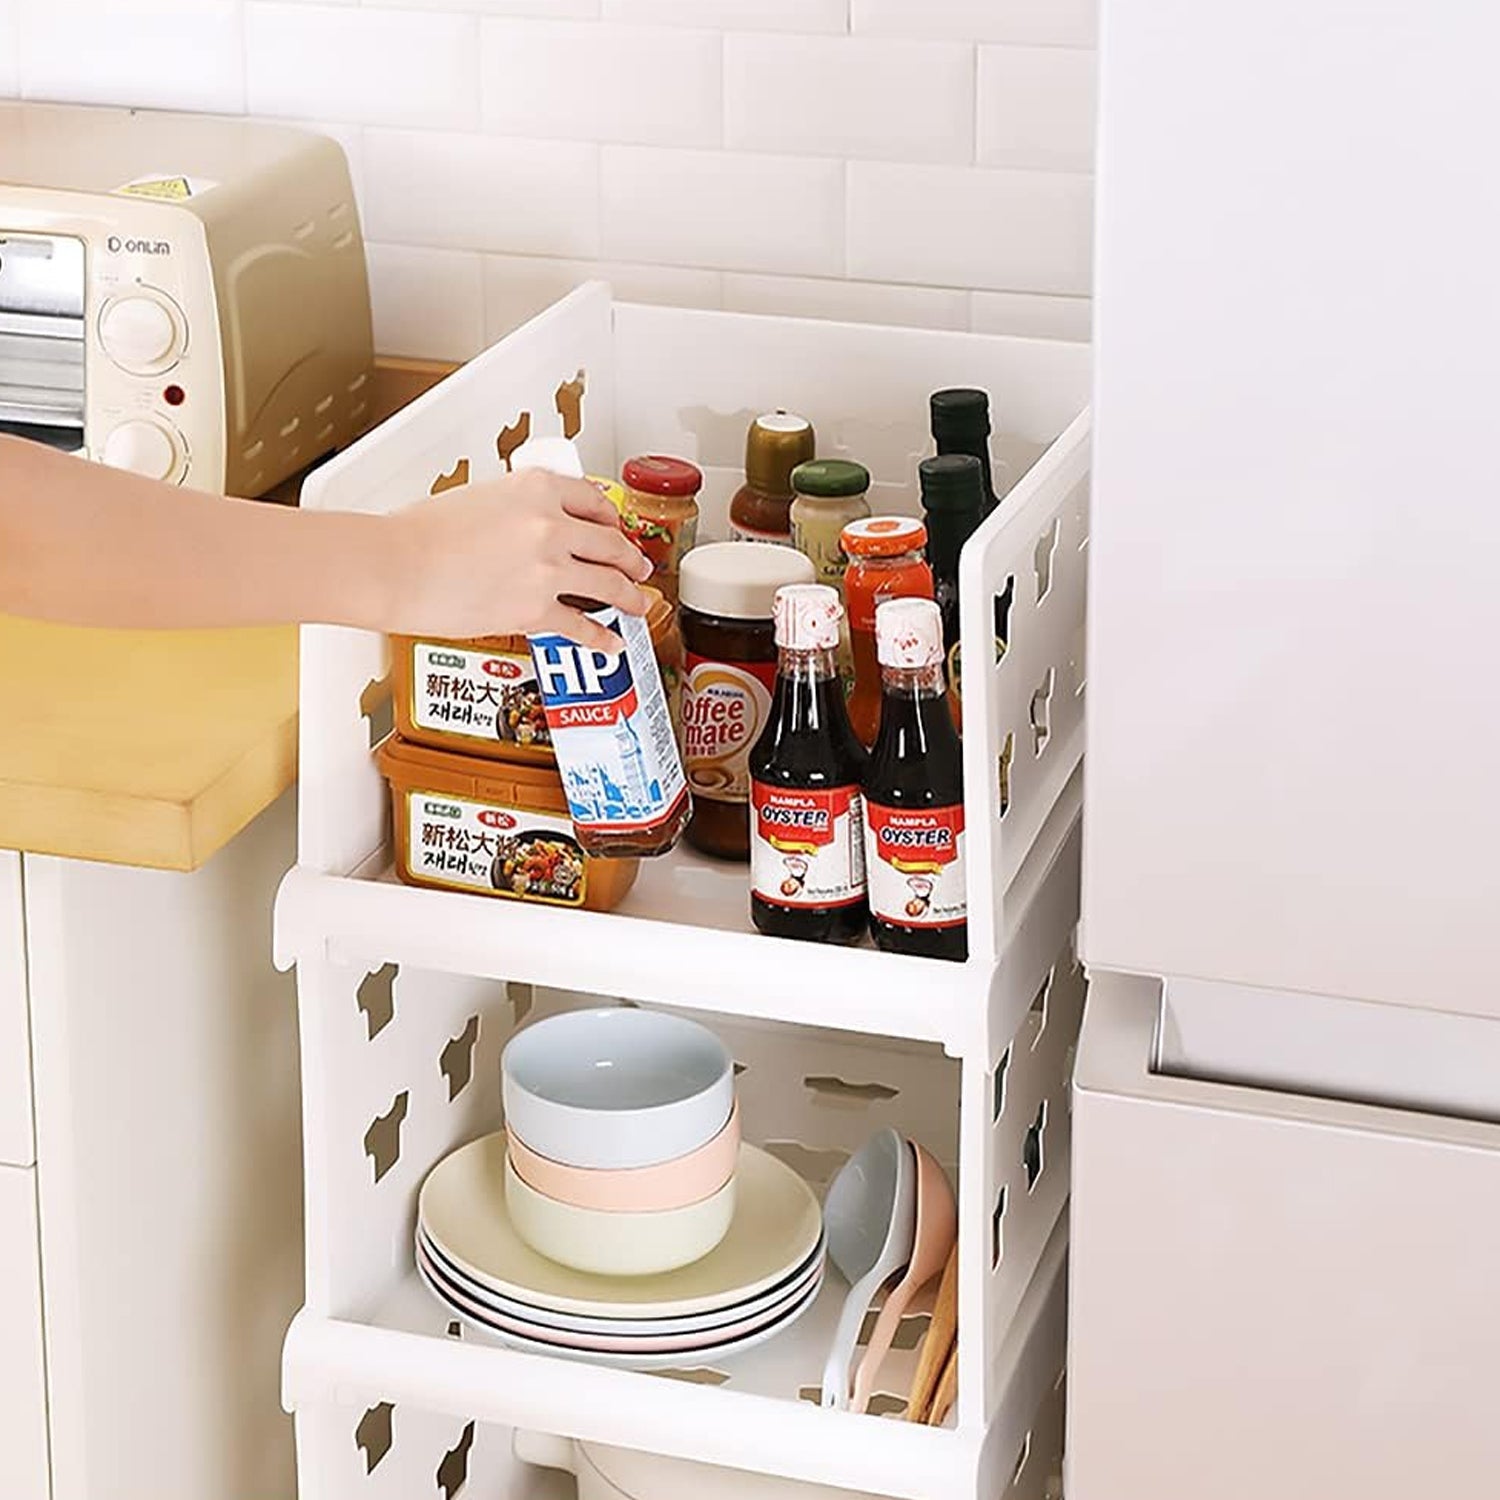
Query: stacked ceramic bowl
(624, 1140)
(620, 1218)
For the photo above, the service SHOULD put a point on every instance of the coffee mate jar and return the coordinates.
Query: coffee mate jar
(728, 591)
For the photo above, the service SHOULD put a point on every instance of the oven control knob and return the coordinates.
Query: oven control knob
(143, 447)
(139, 334)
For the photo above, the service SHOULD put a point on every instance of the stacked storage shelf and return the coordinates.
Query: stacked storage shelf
(408, 996)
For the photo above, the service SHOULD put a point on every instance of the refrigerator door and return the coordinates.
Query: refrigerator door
(1294, 727)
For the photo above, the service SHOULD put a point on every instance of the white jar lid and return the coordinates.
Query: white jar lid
(808, 616)
(738, 580)
(908, 633)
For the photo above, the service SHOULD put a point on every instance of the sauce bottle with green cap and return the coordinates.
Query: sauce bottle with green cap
(761, 509)
(830, 493)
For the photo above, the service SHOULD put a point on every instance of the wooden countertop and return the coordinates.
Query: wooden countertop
(142, 747)
(151, 748)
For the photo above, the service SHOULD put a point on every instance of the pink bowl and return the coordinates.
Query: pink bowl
(658, 1189)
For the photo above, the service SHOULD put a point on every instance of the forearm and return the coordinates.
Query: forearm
(85, 545)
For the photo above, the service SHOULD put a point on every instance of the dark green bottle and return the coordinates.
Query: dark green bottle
(961, 424)
(953, 498)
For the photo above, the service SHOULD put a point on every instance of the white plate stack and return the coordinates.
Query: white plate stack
(761, 1277)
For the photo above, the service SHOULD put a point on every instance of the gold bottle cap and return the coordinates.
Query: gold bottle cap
(777, 443)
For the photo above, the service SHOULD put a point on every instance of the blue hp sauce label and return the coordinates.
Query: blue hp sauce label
(608, 718)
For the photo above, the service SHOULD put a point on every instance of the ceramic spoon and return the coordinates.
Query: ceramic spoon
(871, 1220)
(937, 1233)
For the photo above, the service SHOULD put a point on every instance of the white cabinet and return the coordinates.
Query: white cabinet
(16, 1142)
(1272, 1294)
(23, 1389)
(1293, 726)
(166, 1193)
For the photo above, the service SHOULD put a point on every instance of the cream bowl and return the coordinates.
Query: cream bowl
(616, 1087)
(617, 1244)
(670, 1184)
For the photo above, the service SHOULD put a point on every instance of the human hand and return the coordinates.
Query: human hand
(498, 556)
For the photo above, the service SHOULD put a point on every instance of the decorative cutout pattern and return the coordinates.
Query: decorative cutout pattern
(1041, 712)
(998, 1087)
(997, 1231)
(840, 1089)
(1039, 1007)
(383, 1138)
(569, 401)
(522, 997)
(508, 439)
(453, 1472)
(456, 478)
(373, 1435)
(1003, 763)
(1003, 602)
(1022, 1459)
(457, 1061)
(376, 1000)
(1033, 1153)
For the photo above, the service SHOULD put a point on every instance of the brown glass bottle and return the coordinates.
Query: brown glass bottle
(914, 793)
(807, 835)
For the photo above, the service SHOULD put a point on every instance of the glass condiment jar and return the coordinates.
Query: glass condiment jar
(661, 513)
(886, 561)
(830, 493)
(807, 847)
(728, 594)
(774, 446)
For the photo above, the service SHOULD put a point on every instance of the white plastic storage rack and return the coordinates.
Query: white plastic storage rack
(407, 996)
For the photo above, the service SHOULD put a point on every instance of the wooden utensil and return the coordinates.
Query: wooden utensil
(942, 1334)
(947, 1390)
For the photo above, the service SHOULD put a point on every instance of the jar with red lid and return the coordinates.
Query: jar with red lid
(661, 513)
(887, 560)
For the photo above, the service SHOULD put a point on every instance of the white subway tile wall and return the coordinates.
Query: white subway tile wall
(923, 162)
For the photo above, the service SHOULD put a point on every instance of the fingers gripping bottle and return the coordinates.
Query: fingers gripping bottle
(807, 856)
(610, 725)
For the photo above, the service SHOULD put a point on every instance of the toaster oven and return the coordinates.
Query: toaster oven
(182, 296)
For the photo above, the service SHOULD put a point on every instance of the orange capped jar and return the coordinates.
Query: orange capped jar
(661, 513)
(887, 560)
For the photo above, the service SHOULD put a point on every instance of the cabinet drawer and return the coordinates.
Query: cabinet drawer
(16, 1139)
(23, 1396)
(1271, 1293)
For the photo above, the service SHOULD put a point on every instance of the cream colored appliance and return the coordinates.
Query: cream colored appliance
(183, 296)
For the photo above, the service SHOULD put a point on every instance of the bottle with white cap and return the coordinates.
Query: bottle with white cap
(807, 856)
(914, 792)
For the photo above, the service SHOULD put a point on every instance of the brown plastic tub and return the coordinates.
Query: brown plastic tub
(479, 697)
(464, 824)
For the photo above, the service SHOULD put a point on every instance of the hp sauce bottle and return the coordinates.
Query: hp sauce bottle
(612, 733)
(608, 717)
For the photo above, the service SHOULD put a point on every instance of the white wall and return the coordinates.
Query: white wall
(911, 161)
